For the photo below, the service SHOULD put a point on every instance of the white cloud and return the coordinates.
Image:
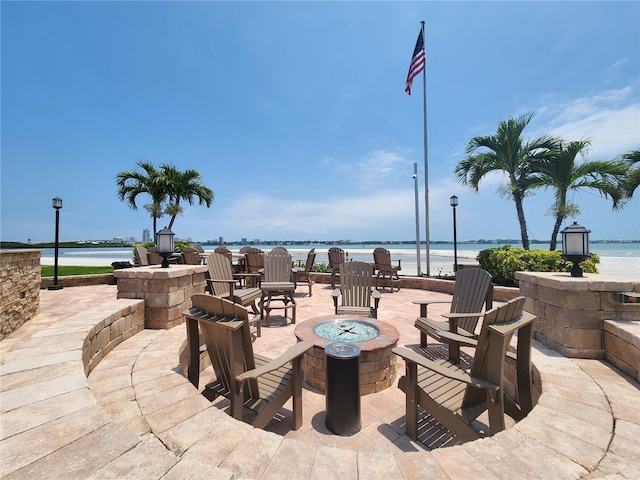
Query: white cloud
(611, 120)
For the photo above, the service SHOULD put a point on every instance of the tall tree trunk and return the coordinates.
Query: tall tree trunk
(523, 224)
(554, 235)
(173, 217)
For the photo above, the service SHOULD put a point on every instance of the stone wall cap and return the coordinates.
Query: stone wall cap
(157, 272)
(20, 250)
(590, 281)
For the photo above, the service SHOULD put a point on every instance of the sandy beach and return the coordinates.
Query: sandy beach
(441, 261)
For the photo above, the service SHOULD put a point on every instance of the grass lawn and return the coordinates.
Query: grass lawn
(64, 271)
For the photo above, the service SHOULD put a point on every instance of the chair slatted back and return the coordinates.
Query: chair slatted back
(382, 259)
(336, 257)
(277, 266)
(498, 327)
(153, 257)
(472, 289)
(190, 256)
(222, 250)
(254, 261)
(225, 327)
(356, 283)
(219, 269)
(311, 258)
(141, 255)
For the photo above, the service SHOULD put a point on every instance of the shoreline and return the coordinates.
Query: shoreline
(441, 264)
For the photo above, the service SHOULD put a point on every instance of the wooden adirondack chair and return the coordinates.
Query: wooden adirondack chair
(253, 260)
(222, 250)
(336, 258)
(472, 289)
(302, 274)
(190, 256)
(141, 256)
(247, 380)
(455, 397)
(356, 292)
(277, 285)
(222, 283)
(387, 273)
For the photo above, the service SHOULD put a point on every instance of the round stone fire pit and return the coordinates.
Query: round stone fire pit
(374, 337)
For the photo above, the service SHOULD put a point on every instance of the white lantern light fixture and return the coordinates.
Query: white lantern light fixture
(165, 245)
(575, 246)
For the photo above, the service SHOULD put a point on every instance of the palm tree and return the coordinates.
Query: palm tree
(505, 151)
(132, 183)
(183, 186)
(633, 175)
(562, 173)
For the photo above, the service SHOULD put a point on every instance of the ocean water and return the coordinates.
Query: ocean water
(622, 259)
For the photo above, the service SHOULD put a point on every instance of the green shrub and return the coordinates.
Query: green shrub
(320, 267)
(502, 263)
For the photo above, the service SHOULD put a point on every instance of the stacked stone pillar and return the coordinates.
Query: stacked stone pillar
(19, 288)
(572, 311)
(166, 291)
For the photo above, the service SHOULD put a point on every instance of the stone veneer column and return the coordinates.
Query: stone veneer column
(571, 310)
(166, 291)
(19, 288)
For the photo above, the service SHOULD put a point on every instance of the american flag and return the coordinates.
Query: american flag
(417, 62)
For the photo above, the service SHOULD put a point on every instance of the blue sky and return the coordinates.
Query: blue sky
(295, 112)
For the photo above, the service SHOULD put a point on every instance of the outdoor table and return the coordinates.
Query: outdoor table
(278, 292)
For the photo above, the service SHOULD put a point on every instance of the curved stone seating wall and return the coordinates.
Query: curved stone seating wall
(582, 424)
(622, 346)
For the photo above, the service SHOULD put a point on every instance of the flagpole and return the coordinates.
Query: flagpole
(415, 186)
(426, 153)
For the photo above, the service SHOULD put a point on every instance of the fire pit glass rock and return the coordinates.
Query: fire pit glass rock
(347, 330)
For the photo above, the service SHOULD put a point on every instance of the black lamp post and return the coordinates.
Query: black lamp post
(165, 245)
(453, 201)
(56, 203)
(575, 246)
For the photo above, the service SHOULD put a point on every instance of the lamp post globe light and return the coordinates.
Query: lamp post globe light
(453, 201)
(575, 246)
(56, 203)
(165, 245)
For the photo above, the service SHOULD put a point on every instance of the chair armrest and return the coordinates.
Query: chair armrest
(429, 302)
(441, 369)
(292, 353)
(424, 304)
(463, 315)
(459, 338)
(220, 280)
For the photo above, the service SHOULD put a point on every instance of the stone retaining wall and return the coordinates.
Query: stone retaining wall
(500, 294)
(79, 280)
(20, 280)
